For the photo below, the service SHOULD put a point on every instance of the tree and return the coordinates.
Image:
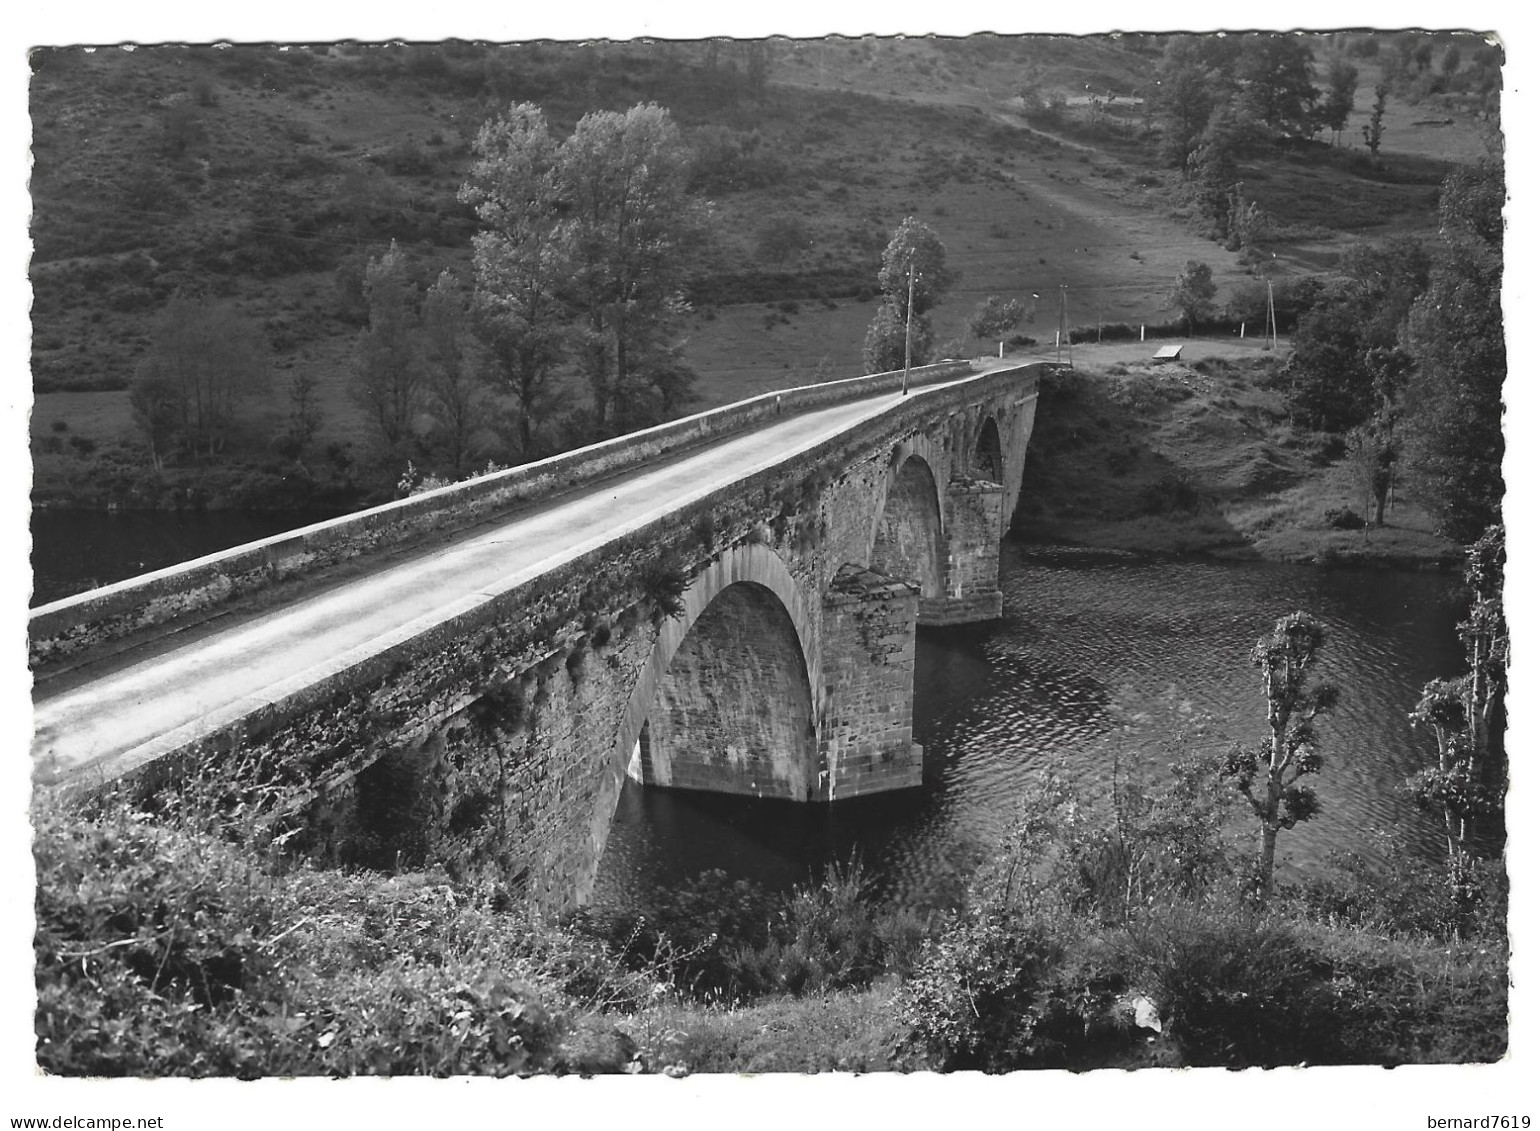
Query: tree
(1275, 76)
(1194, 79)
(883, 350)
(1289, 751)
(520, 260)
(1374, 132)
(915, 245)
(1451, 60)
(453, 390)
(630, 225)
(156, 403)
(387, 370)
(1462, 714)
(304, 414)
(1341, 90)
(1246, 223)
(1212, 170)
(1388, 369)
(914, 262)
(204, 362)
(1194, 291)
(996, 317)
(1331, 382)
(1455, 333)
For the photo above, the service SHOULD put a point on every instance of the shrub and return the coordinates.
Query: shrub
(1402, 894)
(997, 993)
(1233, 989)
(1344, 518)
(1173, 493)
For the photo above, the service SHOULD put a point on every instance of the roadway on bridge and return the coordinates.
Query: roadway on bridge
(120, 712)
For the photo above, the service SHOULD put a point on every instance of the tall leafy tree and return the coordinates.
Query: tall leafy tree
(1341, 90)
(1194, 79)
(1378, 439)
(631, 226)
(1193, 292)
(915, 244)
(1290, 750)
(1455, 333)
(913, 264)
(388, 378)
(1331, 380)
(454, 389)
(522, 258)
(1276, 77)
(1213, 171)
(1464, 784)
(1374, 131)
(586, 248)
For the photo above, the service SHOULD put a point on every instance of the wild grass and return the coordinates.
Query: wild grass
(1110, 928)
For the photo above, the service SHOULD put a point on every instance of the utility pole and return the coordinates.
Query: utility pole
(1061, 338)
(1271, 331)
(908, 324)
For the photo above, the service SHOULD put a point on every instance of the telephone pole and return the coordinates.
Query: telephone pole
(908, 324)
(1270, 332)
(1061, 339)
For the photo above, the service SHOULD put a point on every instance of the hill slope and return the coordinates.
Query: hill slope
(269, 175)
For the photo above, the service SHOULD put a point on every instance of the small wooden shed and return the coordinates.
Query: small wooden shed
(1167, 353)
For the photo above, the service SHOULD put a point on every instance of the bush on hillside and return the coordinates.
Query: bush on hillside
(164, 947)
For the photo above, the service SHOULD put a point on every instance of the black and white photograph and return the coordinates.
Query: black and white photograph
(668, 567)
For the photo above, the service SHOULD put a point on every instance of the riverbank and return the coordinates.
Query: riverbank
(1199, 456)
(189, 943)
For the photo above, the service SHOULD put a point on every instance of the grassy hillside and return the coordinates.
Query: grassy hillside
(1201, 456)
(269, 175)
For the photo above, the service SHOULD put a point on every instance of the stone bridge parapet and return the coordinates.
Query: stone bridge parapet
(80, 624)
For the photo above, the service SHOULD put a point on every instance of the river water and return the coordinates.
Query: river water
(1097, 651)
(78, 550)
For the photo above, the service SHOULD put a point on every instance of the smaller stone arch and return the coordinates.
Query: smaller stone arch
(986, 459)
(909, 533)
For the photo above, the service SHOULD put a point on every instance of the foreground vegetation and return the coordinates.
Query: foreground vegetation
(1120, 929)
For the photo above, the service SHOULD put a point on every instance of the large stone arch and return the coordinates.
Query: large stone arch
(753, 566)
(732, 712)
(908, 532)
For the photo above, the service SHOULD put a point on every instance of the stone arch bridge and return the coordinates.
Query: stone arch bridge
(725, 603)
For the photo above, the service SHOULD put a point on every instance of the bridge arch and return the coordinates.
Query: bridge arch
(908, 536)
(697, 715)
(987, 457)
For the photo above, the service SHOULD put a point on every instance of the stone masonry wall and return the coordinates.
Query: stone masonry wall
(868, 662)
(973, 555)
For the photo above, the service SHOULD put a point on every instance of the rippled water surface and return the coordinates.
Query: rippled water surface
(1097, 651)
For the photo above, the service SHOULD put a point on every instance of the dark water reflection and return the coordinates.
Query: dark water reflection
(1098, 651)
(78, 550)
